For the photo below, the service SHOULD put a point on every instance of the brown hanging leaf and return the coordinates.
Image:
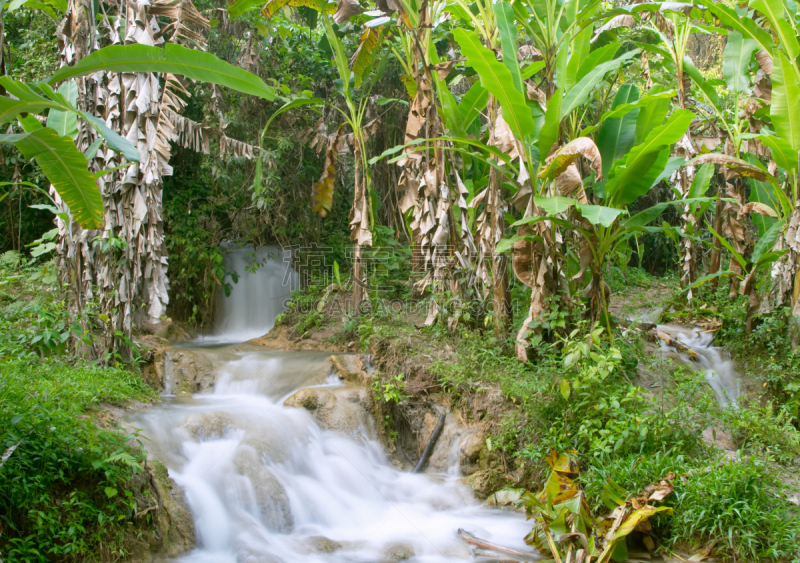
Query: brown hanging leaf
(764, 61)
(362, 58)
(387, 6)
(624, 20)
(529, 52)
(558, 162)
(188, 26)
(504, 138)
(444, 68)
(570, 184)
(734, 165)
(756, 207)
(322, 191)
(346, 10)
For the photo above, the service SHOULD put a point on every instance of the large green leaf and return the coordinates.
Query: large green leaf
(497, 79)
(701, 181)
(699, 79)
(646, 161)
(781, 25)
(554, 205)
(623, 110)
(67, 169)
(767, 241)
(508, 42)
(473, 102)
(581, 47)
(652, 115)
(31, 102)
(782, 153)
(65, 123)
(174, 59)
(747, 27)
(596, 58)
(736, 61)
(598, 214)
(785, 107)
(552, 123)
(580, 92)
(616, 135)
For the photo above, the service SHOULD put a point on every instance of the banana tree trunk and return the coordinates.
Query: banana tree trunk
(717, 249)
(360, 233)
(123, 267)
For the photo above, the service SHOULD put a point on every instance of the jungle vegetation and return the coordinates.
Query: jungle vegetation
(532, 157)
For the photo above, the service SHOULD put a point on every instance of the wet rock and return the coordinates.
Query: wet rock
(481, 483)
(271, 497)
(321, 544)
(164, 328)
(350, 367)
(206, 426)
(273, 444)
(153, 350)
(342, 409)
(471, 446)
(446, 448)
(399, 551)
(173, 519)
(188, 372)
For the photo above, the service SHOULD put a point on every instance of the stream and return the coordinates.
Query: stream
(265, 484)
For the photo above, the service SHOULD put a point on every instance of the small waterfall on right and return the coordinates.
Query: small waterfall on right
(265, 282)
(720, 372)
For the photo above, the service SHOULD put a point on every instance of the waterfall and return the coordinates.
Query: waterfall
(266, 484)
(265, 282)
(720, 372)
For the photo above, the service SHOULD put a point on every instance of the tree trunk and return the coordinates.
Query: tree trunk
(717, 250)
(126, 261)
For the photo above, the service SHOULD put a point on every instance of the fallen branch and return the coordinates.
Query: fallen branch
(489, 546)
(426, 453)
(669, 341)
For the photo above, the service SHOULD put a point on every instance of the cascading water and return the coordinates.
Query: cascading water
(265, 282)
(720, 372)
(266, 484)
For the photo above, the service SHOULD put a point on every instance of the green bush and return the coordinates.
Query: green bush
(739, 505)
(64, 490)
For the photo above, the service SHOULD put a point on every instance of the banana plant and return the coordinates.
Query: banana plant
(366, 63)
(631, 176)
(52, 146)
(777, 48)
(571, 76)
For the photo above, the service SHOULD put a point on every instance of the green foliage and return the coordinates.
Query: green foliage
(389, 390)
(738, 504)
(64, 490)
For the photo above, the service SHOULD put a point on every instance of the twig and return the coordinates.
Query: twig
(487, 545)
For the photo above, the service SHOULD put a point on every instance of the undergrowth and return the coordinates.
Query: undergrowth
(70, 486)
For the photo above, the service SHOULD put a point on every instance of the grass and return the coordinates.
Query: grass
(72, 484)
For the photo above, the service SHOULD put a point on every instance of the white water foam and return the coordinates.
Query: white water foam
(720, 371)
(263, 480)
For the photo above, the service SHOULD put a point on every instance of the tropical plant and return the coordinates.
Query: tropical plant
(89, 181)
